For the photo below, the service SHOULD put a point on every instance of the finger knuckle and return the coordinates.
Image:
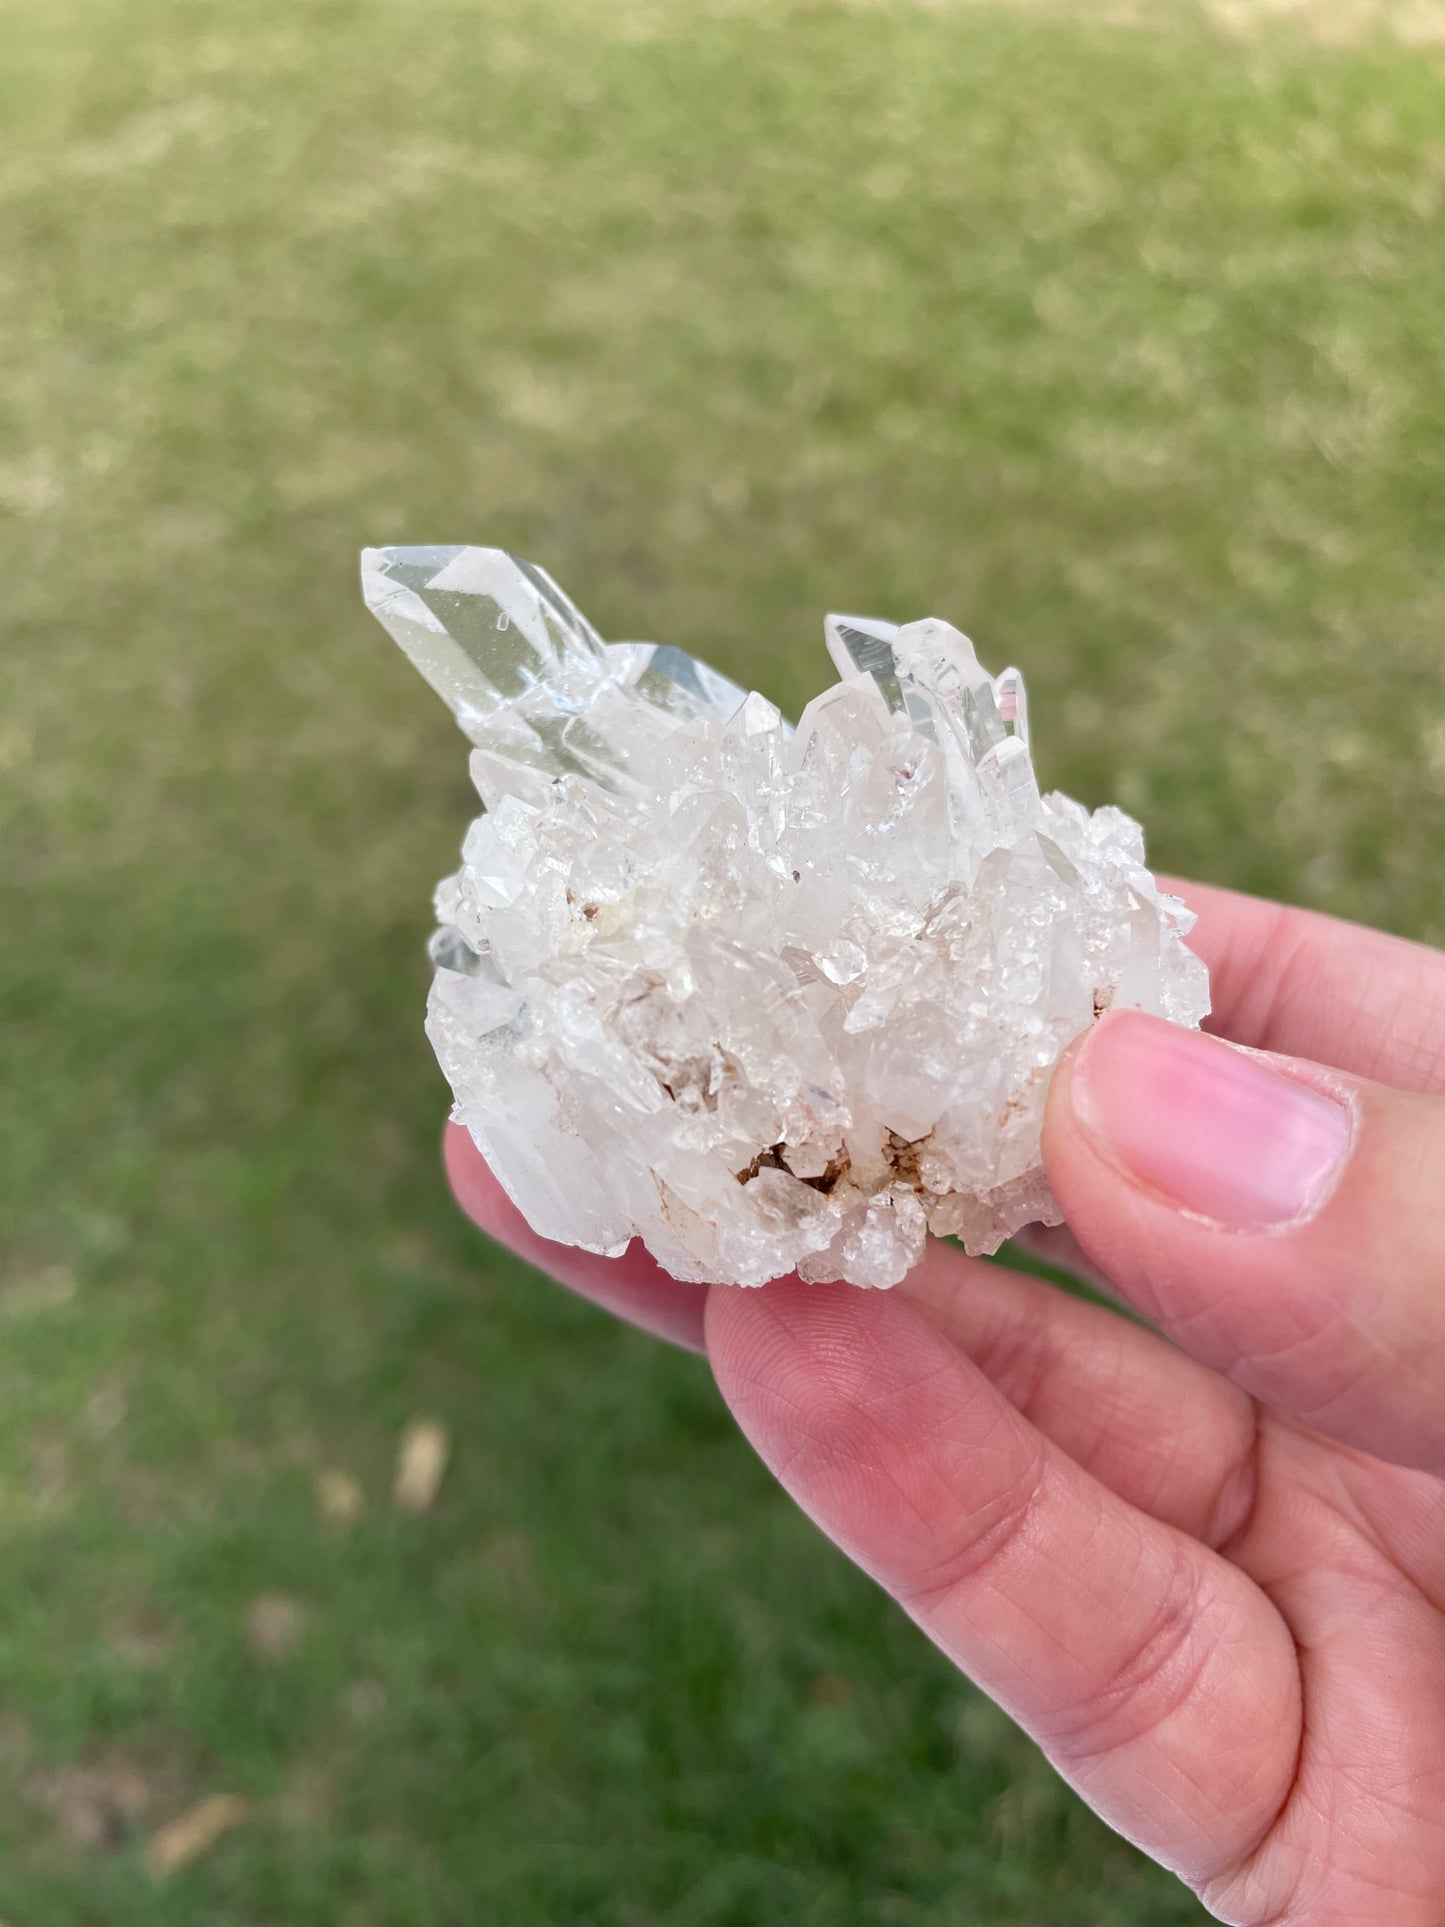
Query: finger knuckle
(1152, 1675)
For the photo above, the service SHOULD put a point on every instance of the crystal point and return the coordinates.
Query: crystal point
(863, 646)
(480, 625)
(770, 1001)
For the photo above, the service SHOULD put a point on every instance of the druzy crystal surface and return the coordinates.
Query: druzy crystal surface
(770, 999)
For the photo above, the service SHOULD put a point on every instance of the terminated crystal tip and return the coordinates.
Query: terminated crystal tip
(770, 1000)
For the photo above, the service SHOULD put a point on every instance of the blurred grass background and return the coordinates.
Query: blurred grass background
(1113, 334)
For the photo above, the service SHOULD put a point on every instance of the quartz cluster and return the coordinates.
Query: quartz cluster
(770, 999)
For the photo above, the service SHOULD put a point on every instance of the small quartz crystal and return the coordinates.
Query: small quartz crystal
(769, 999)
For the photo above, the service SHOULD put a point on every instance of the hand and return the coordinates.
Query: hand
(1202, 1564)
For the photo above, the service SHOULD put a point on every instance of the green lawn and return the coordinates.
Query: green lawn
(1118, 344)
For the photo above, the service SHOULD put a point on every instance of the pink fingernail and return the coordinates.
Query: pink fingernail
(1218, 1131)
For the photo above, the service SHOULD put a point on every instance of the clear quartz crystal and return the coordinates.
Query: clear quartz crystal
(768, 999)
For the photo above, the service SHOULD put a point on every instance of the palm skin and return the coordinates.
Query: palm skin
(1202, 1560)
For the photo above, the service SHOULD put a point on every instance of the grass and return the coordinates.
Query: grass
(1118, 343)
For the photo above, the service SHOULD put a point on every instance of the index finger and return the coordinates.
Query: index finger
(1306, 985)
(1158, 1679)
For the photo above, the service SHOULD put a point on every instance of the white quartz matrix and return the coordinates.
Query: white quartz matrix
(769, 999)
